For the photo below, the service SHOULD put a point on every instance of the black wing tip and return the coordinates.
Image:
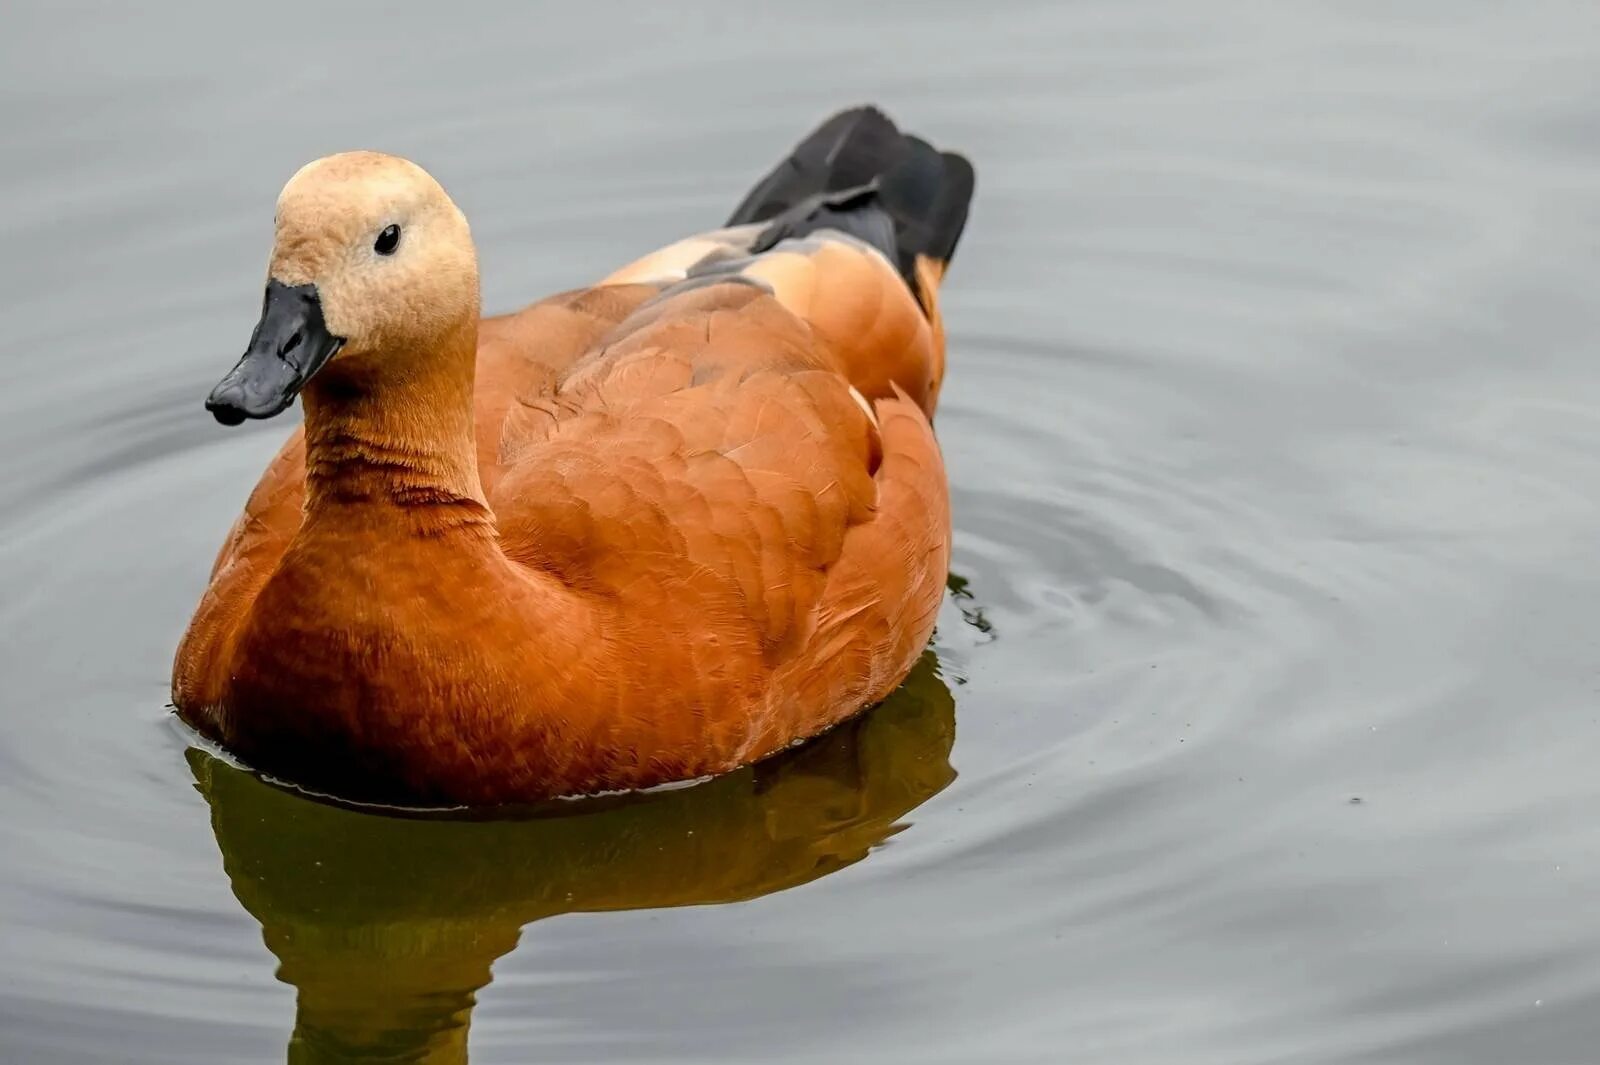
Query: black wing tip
(924, 192)
(844, 150)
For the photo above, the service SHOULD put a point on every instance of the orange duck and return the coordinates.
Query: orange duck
(641, 532)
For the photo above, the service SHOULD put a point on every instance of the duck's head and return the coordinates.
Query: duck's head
(372, 264)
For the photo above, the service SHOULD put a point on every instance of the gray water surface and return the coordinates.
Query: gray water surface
(1273, 423)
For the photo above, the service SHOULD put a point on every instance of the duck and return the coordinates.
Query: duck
(642, 532)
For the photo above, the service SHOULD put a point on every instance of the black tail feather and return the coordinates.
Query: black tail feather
(928, 195)
(858, 173)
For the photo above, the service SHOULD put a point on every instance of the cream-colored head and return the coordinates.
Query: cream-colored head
(389, 252)
(372, 269)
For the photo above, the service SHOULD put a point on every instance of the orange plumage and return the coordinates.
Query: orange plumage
(636, 533)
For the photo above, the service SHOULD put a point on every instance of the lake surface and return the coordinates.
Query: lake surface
(1261, 724)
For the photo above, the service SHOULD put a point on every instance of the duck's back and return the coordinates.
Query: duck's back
(759, 527)
(744, 461)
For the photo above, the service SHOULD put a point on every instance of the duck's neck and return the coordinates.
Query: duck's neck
(390, 438)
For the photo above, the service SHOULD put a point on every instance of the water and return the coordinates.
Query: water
(1274, 431)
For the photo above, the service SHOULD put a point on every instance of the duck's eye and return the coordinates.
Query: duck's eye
(387, 241)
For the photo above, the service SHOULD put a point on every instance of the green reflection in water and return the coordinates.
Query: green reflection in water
(387, 923)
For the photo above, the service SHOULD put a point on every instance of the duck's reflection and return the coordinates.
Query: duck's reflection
(387, 925)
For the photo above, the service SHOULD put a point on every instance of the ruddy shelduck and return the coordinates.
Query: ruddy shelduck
(640, 532)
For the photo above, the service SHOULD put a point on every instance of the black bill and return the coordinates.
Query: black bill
(291, 342)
